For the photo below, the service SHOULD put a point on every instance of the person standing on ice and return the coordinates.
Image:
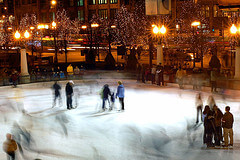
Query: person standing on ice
(10, 146)
(69, 94)
(227, 124)
(57, 93)
(217, 114)
(120, 93)
(199, 105)
(105, 93)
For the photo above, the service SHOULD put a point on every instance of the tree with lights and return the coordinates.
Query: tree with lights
(65, 30)
(192, 34)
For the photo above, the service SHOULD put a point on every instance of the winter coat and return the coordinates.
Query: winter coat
(57, 87)
(227, 120)
(70, 70)
(69, 89)
(106, 92)
(209, 123)
(120, 91)
(9, 146)
(218, 118)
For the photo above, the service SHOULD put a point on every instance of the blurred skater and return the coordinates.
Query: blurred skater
(179, 76)
(199, 105)
(120, 93)
(69, 94)
(57, 94)
(10, 146)
(112, 101)
(211, 102)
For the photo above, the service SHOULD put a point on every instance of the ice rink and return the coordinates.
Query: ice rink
(157, 124)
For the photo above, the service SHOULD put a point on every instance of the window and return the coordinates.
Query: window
(126, 2)
(102, 1)
(80, 2)
(91, 13)
(91, 2)
(71, 3)
(207, 11)
(44, 16)
(112, 13)
(103, 13)
(113, 1)
(81, 15)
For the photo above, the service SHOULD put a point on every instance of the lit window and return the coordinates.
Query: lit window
(113, 1)
(103, 13)
(80, 2)
(102, 1)
(81, 15)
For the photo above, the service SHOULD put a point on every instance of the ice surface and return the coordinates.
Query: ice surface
(157, 124)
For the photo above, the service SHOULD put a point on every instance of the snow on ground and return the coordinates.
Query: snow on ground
(158, 124)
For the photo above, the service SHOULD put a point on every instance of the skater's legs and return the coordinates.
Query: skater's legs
(122, 102)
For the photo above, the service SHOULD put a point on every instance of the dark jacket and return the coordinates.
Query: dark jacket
(9, 146)
(69, 89)
(218, 117)
(209, 123)
(56, 87)
(106, 92)
(227, 121)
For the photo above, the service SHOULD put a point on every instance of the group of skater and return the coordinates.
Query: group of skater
(218, 127)
(105, 94)
(154, 74)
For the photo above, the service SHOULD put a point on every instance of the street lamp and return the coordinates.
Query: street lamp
(236, 32)
(159, 31)
(17, 35)
(54, 27)
(26, 34)
(195, 24)
(53, 2)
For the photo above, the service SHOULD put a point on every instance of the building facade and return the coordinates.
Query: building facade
(81, 9)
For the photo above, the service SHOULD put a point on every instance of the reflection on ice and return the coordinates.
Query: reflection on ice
(157, 124)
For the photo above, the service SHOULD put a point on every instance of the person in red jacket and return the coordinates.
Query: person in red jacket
(227, 124)
(10, 146)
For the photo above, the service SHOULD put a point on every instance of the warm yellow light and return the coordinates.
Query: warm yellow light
(32, 28)
(53, 2)
(195, 23)
(94, 25)
(26, 34)
(163, 30)
(3, 16)
(177, 26)
(84, 27)
(155, 30)
(113, 26)
(46, 26)
(17, 35)
(54, 24)
(233, 29)
(40, 26)
(153, 25)
(5, 8)
(9, 28)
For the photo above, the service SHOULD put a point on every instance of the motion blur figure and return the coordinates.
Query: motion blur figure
(211, 102)
(57, 94)
(10, 146)
(105, 93)
(199, 105)
(217, 114)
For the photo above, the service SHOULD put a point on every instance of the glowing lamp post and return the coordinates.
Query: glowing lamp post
(195, 24)
(54, 27)
(159, 31)
(235, 32)
(25, 78)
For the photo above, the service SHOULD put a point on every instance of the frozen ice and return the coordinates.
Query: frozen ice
(158, 123)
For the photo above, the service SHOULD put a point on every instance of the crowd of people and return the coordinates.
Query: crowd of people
(214, 122)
